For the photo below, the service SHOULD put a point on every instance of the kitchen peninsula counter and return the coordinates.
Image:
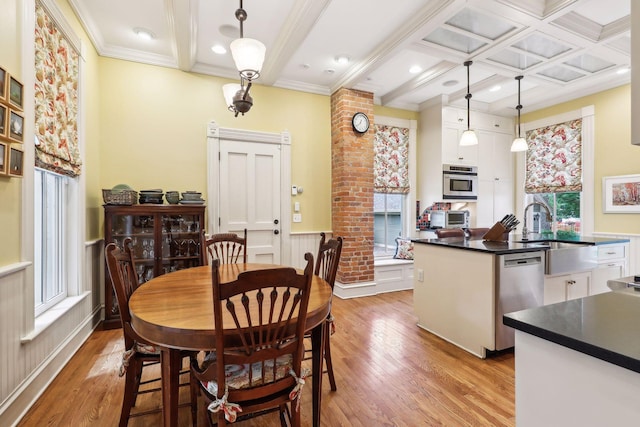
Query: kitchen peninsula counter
(578, 362)
(456, 286)
(515, 243)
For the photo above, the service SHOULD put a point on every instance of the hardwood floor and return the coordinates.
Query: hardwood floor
(389, 372)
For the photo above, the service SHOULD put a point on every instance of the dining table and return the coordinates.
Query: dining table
(175, 312)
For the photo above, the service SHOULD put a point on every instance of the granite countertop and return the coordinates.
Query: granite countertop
(604, 326)
(515, 244)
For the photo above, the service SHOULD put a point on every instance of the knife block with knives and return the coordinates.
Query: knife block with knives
(501, 229)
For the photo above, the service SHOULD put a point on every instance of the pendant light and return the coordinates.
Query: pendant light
(519, 144)
(248, 55)
(468, 137)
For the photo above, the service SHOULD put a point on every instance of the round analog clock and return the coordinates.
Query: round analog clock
(360, 122)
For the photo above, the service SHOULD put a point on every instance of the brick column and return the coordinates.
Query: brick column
(352, 185)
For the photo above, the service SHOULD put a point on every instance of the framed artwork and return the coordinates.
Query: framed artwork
(16, 126)
(3, 84)
(621, 194)
(3, 158)
(15, 93)
(16, 161)
(4, 119)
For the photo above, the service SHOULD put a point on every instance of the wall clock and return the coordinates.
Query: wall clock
(360, 122)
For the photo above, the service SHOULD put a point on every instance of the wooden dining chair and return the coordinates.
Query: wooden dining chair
(229, 248)
(442, 233)
(138, 352)
(327, 263)
(259, 342)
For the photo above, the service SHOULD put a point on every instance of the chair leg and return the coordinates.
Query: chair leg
(194, 391)
(327, 355)
(131, 383)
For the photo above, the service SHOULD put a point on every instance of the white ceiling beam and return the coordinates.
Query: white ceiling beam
(303, 17)
(183, 25)
(403, 36)
(424, 78)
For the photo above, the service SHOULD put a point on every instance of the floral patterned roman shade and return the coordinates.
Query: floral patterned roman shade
(554, 158)
(391, 159)
(56, 98)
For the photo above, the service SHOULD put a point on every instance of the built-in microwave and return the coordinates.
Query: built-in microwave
(459, 182)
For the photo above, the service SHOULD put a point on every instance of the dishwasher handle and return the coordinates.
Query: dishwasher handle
(521, 262)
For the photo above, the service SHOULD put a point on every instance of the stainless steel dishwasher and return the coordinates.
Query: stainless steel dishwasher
(519, 285)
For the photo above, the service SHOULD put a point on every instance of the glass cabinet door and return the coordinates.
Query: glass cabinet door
(140, 228)
(181, 240)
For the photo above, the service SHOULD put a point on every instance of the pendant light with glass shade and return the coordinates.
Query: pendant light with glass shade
(248, 55)
(468, 137)
(519, 144)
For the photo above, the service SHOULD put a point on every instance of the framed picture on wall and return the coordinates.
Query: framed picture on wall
(4, 119)
(3, 158)
(16, 161)
(15, 93)
(3, 84)
(621, 194)
(16, 126)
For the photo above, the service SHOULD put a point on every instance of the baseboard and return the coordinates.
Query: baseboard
(17, 405)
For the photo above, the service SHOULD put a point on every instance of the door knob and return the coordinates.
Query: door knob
(276, 231)
(275, 221)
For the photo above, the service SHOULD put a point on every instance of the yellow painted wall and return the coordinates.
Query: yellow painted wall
(154, 120)
(614, 154)
(10, 188)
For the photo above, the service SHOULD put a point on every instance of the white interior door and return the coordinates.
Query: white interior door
(249, 189)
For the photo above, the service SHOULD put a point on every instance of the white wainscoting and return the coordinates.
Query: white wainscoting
(389, 275)
(28, 366)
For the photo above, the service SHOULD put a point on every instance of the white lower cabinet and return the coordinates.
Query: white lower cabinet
(612, 264)
(604, 273)
(566, 287)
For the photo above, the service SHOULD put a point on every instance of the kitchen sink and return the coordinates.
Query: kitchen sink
(566, 257)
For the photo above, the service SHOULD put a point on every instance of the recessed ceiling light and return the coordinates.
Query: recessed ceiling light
(329, 71)
(219, 49)
(450, 83)
(623, 70)
(342, 59)
(144, 34)
(415, 69)
(495, 88)
(305, 66)
(230, 31)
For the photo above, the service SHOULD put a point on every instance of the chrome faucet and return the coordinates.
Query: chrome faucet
(525, 231)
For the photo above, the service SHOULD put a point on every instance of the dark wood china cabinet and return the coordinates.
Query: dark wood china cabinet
(165, 238)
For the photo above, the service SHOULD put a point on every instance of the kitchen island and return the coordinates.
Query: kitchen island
(578, 362)
(456, 287)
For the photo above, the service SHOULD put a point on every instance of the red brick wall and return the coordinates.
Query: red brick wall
(352, 185)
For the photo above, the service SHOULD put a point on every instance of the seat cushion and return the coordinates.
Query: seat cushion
(237, 376)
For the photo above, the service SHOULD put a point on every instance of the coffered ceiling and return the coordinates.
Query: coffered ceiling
(564, 48)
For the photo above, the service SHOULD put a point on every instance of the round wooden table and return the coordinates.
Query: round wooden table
(175, 312)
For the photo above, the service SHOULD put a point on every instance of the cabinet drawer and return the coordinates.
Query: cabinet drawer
(607, 252)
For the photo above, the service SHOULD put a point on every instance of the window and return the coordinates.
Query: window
(391, 187)
(50, 202)
(554, 178)
(388, 217)
(565, 211)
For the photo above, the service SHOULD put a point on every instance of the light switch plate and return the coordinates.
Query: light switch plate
(294, 190)
(296, 207)
(297, 217)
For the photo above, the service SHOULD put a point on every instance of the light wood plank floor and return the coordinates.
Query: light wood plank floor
(389, 373)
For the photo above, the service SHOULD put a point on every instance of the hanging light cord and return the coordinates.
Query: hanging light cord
(519, 106)
(241, 15)
(468, 95)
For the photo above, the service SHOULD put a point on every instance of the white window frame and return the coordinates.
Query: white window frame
(587, 114)
(409, 220)
(75, 204)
